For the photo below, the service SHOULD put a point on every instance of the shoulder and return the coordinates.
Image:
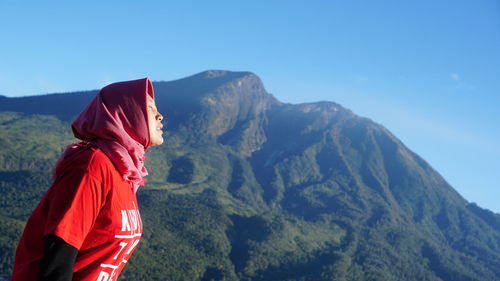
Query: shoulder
(98, 158)
(92, 161)
(84, 166)
(99, 165)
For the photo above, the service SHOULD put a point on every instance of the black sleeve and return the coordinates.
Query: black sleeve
(58, 260)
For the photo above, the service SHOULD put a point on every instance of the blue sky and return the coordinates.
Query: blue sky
(426, 70)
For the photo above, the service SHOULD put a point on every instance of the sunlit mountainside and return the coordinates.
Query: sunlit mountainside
(249, 188)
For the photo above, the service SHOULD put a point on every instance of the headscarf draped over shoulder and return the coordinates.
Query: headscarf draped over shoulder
(116, 121)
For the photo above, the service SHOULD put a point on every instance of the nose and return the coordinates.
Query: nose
(159, 117)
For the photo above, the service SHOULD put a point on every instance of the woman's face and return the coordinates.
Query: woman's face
(154, 122)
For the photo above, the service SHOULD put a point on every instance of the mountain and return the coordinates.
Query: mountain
(249, 188)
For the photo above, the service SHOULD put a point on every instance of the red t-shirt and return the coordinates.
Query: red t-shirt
(91, 208)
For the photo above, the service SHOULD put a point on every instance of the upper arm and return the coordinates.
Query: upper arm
(75, 201)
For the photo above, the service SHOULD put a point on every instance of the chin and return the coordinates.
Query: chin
(157, 142)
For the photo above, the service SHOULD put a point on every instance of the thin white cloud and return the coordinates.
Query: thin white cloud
(454, 76)
(360, 78)
(459, 83)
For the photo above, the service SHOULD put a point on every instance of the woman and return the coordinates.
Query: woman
(87, 224)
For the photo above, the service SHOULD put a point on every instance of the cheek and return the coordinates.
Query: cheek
(151, 127)
(151, 120)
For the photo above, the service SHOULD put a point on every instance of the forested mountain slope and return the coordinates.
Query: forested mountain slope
(250, 188)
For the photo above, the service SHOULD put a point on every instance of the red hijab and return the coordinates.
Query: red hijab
(116, 121)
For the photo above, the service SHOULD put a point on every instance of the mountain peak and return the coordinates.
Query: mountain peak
(320, 106)
(220, 74)
(215, 73)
